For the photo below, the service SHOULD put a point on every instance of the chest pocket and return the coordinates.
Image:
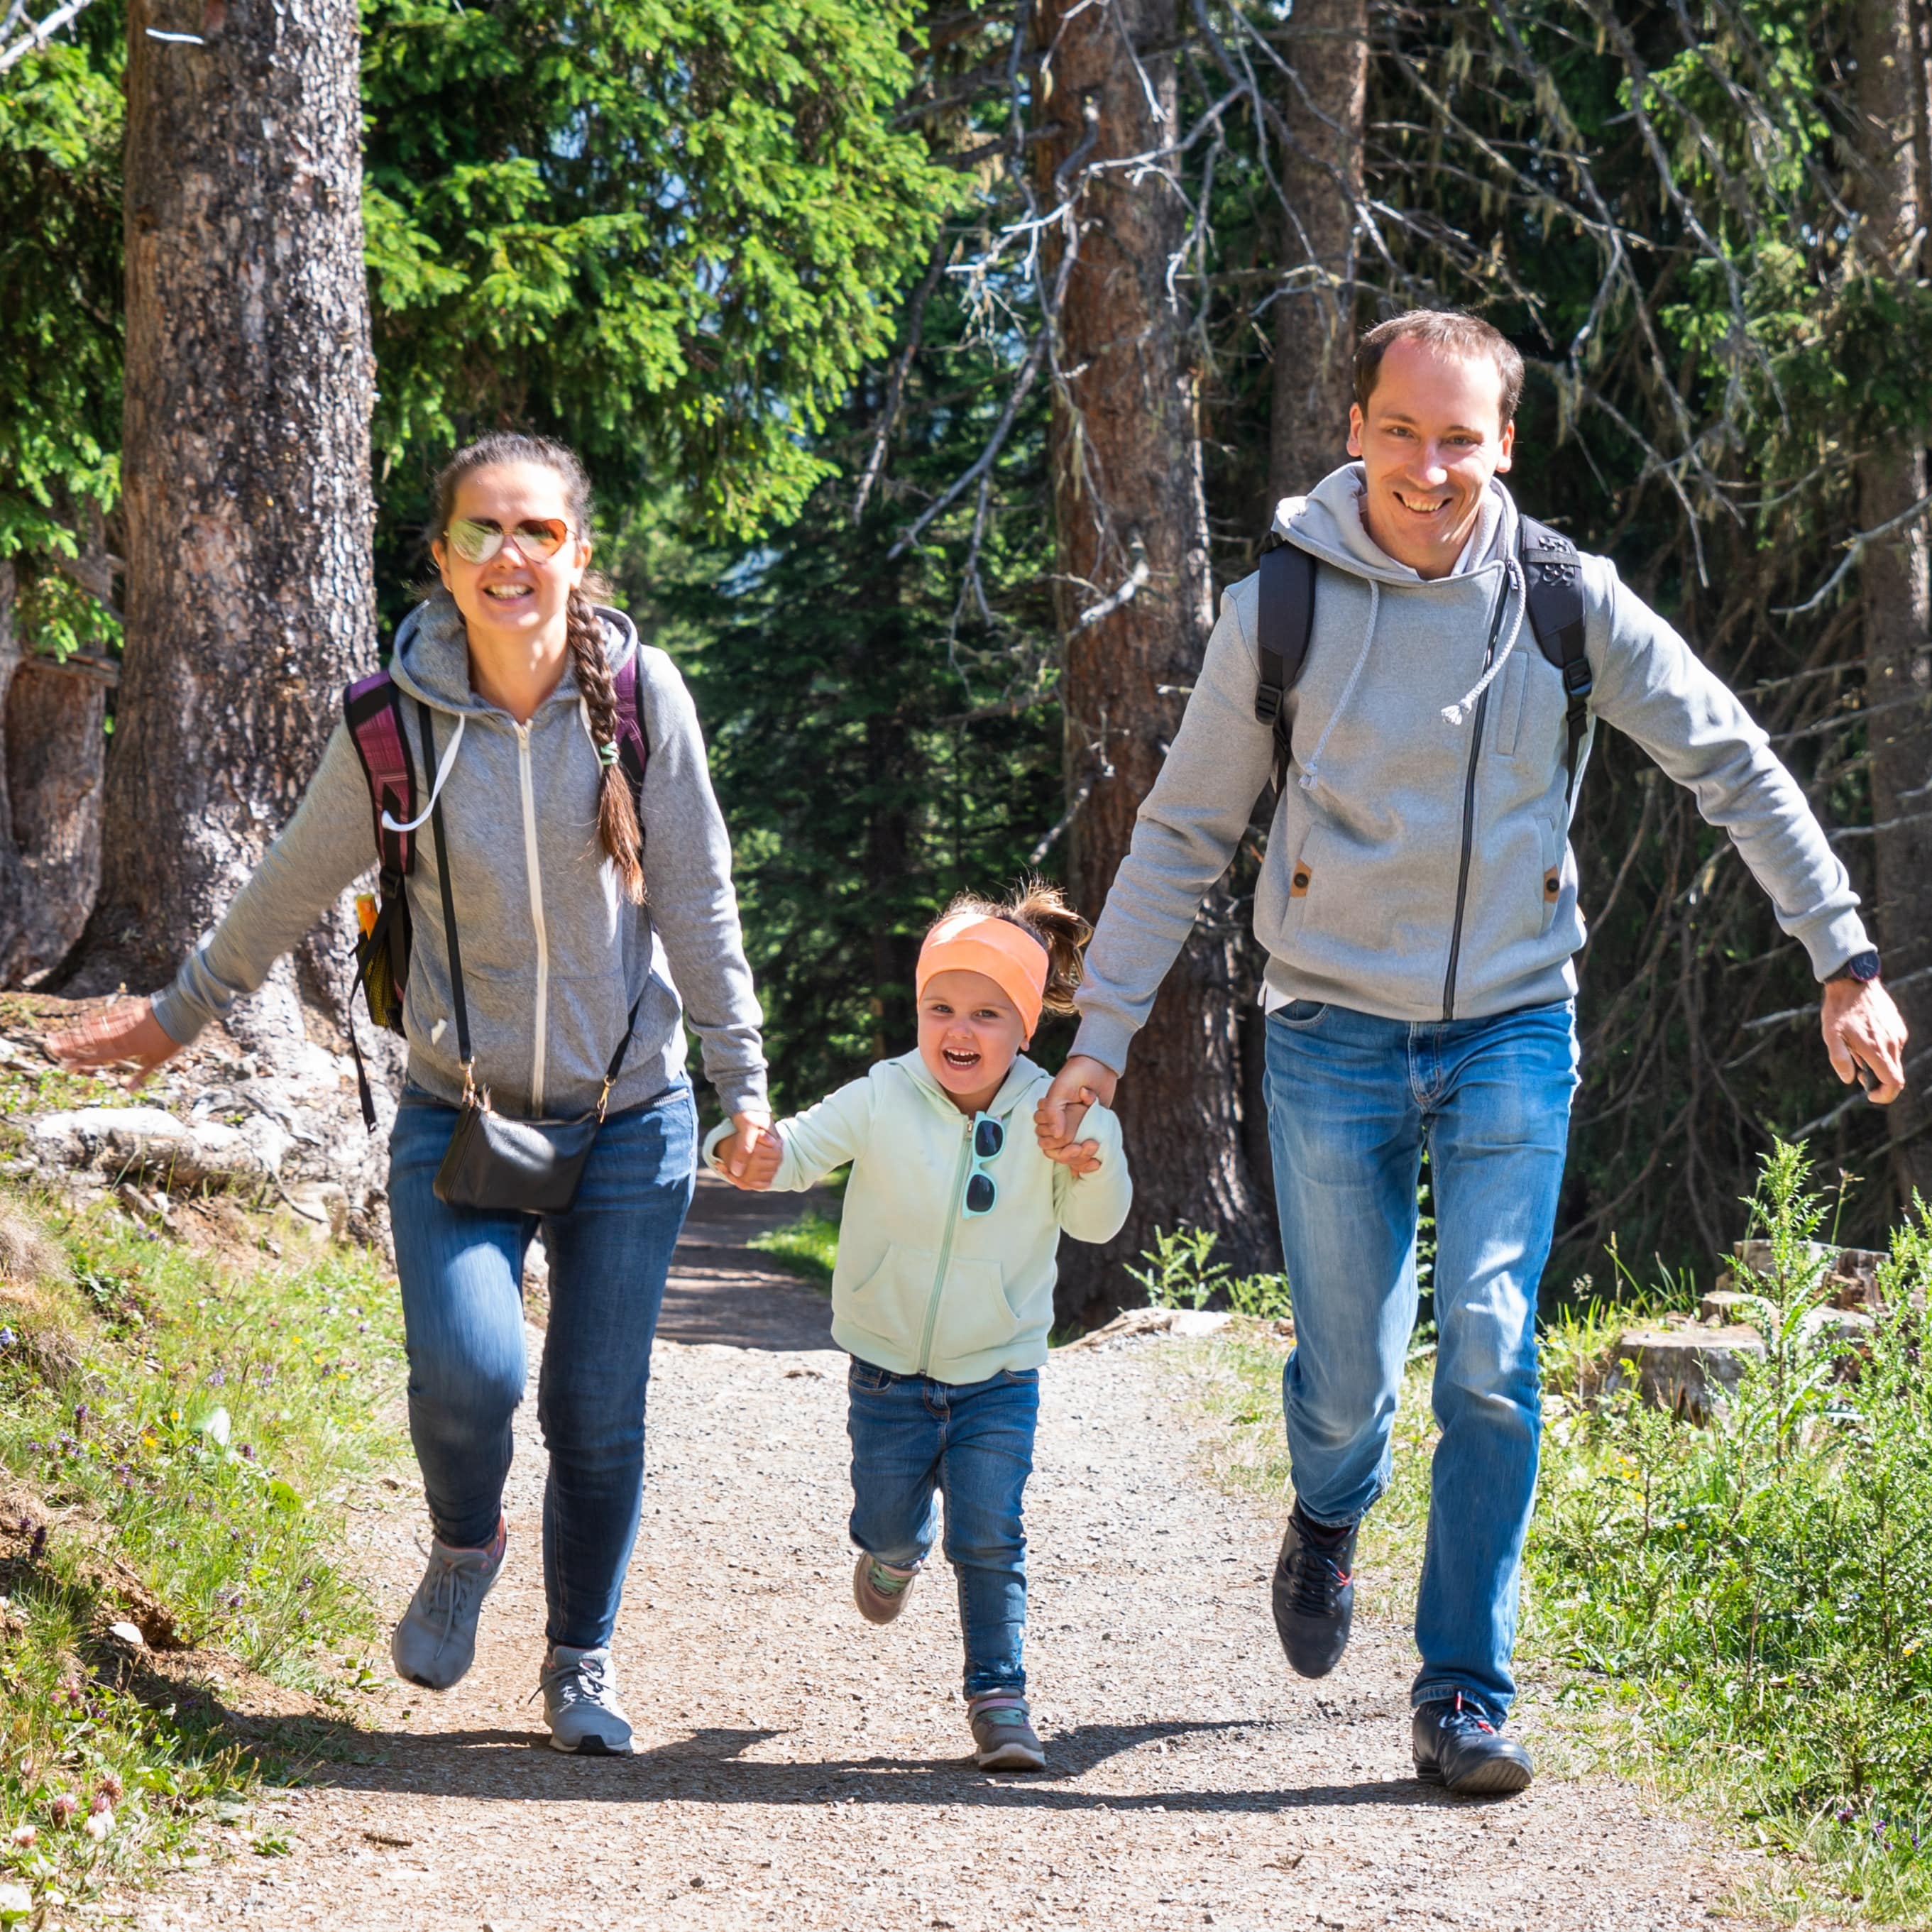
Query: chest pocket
(1505, 719)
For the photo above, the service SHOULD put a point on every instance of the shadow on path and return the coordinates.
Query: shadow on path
(718, 1292)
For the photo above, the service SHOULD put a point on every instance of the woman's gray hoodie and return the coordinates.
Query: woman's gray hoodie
(1419, 866)
(552, 953)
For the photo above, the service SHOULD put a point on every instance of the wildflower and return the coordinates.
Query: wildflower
(108, 1789)
(99, 1824)
(247, 1452)
(62, 1807)
(7, 1338)
(219, 1379)
(24, 1835)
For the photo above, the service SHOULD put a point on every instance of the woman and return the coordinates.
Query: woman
(511, 665)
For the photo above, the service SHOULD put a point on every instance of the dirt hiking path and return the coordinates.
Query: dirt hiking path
(798, 1768)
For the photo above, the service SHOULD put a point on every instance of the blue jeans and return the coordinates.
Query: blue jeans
(1351, 1101)
(461, 1271)
(915, 1440)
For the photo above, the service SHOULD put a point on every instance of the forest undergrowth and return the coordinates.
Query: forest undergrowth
(183, 1425)
(1741, 1613)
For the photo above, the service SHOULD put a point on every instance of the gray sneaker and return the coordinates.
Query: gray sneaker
(580, 1694)
(436, 1642)
(880, 1589)
(1003, 1733)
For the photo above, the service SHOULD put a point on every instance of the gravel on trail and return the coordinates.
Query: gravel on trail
(797, 1768)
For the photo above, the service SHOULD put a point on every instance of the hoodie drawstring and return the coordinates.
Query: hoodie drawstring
(435, 789)
(1454, 714)
(1309, 770)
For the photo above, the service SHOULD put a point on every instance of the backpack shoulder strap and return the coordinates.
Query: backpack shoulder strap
(1553, 586)
(372, 708)
(1285, 623)
(634, 741)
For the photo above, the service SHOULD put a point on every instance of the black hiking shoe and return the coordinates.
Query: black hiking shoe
(1457, 1748)
(1315, 1593)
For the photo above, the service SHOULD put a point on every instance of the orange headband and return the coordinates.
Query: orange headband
(970, 942)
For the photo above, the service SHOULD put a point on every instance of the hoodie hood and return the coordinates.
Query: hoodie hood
(1328, 524)
(1022, 1077)
(432, 656)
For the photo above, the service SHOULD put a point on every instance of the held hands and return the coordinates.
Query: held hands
(748, 1156)
(125, 1034)
(1082, 1083)
(1863, 1028)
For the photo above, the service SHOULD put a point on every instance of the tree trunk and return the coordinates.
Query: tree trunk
(1326, 42)
(1890, 98)
(56, 748)
(245, 458)
(1127, 497)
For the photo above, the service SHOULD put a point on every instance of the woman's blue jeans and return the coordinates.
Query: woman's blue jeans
(914, 1441)
(462, 1270)
(1352, 1099)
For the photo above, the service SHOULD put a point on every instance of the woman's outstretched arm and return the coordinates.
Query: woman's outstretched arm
(328, 844)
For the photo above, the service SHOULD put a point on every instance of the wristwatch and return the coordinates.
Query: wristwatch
(1862, 966)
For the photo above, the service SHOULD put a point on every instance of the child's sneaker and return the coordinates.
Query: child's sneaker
(880, 1589)
(1003, 1733)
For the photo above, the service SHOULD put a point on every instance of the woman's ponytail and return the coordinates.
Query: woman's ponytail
(617, 812)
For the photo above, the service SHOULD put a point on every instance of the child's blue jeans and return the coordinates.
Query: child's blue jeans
(461, 1271)
(914, 1441)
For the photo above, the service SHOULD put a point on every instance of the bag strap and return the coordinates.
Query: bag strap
(1553, 586)
(372, 709)
(1284, 625)
(456, 999)
(449, 916)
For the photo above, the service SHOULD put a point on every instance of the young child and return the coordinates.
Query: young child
(943, 1291)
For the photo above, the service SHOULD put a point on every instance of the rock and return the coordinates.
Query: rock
(1189, 1322)
(179, 1156)
(1136, 1321)
(128, 1634)
(1679, 1369)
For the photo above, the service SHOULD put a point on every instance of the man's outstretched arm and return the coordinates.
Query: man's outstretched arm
(1184, 836)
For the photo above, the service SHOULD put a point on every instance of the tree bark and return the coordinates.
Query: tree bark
(245, 457)
(1127, 497)
(55, 749)
(1896, 596)
(1326, 42)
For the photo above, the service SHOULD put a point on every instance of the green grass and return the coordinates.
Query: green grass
(197, 1422)
(808, 1246)
(1742, 1612)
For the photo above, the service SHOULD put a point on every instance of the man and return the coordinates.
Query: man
(1418, 904)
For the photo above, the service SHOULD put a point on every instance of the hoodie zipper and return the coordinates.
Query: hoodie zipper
(1469, 805)
(538, 1042)
(946, 1249)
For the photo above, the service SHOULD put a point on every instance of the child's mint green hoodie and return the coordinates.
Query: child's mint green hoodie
(921, 1287)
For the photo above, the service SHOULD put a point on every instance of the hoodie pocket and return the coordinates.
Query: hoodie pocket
(974, 1314)
(1549, 885)
(1506, 718)
(891, 1301)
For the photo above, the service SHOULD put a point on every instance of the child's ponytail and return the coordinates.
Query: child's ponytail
(1041, 910)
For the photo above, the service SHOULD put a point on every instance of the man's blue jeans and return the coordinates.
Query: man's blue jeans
(1352, 1100)
(914, 1441)
(461, 1271)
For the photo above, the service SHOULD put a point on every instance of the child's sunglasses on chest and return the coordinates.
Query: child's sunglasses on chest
(982, 1190)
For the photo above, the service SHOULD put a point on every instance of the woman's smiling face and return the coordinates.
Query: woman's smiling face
(518, 595)
(969, 1035)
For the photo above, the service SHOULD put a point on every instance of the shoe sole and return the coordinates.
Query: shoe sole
(1010, 1757)
(591, 1747)
(1499, 1778)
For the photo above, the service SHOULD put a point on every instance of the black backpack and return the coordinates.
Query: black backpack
(1553, 577)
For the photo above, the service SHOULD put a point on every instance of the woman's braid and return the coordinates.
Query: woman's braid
(617, 814)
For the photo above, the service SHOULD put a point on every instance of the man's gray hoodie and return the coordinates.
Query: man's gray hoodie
(552, 953)
(1419, 866)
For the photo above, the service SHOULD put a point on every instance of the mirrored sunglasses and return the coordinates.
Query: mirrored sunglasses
(477, 539)
(982, 1190)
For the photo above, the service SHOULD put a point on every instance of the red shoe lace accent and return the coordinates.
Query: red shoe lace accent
(1482, 1723)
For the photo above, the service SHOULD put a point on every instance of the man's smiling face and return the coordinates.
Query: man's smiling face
(1432, 437)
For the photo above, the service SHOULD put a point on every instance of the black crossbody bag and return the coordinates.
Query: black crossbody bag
(524, 1167)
